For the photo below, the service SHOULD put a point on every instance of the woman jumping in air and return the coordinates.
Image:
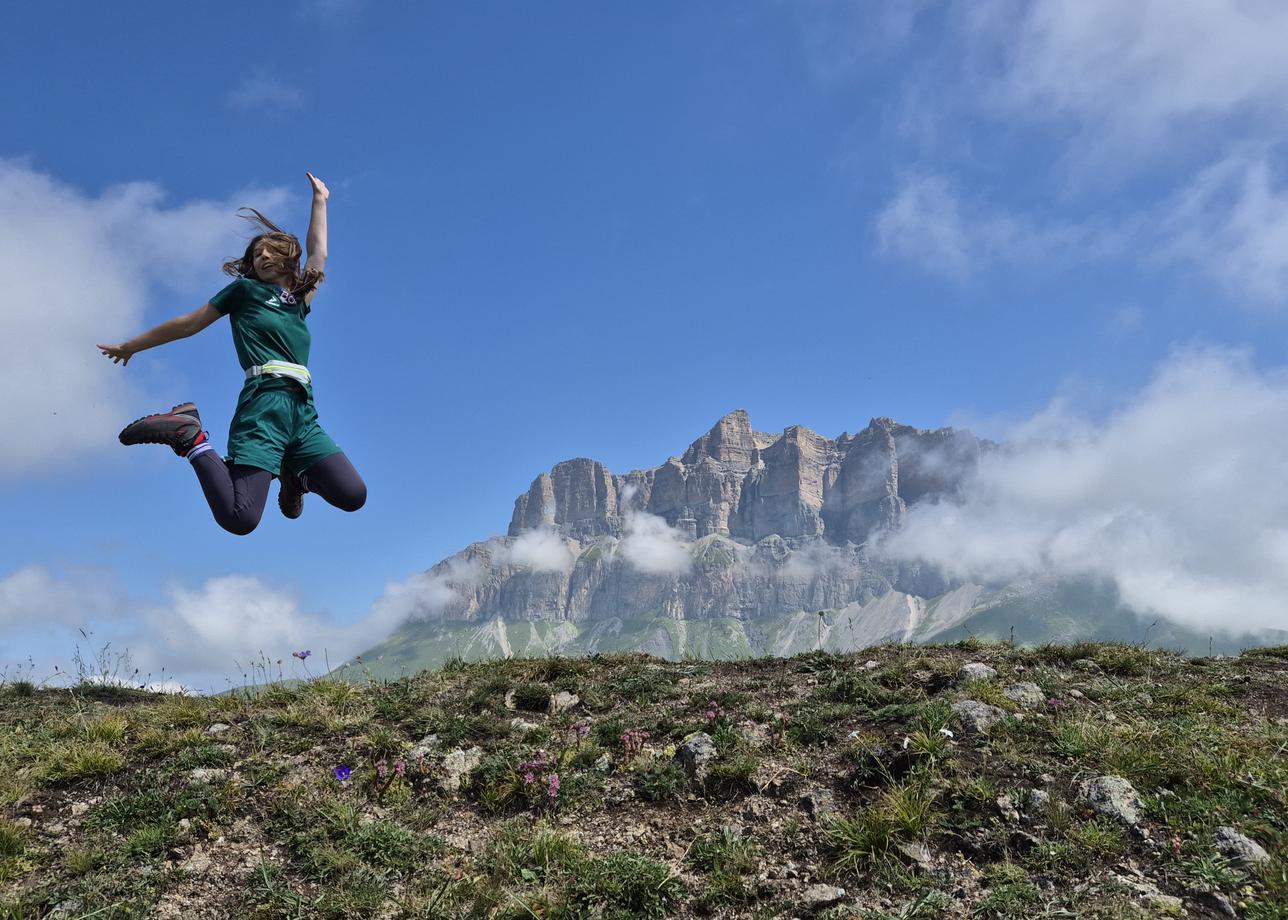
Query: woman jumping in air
(275, 430)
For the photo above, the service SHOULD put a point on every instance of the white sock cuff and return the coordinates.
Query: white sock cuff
(200, 449)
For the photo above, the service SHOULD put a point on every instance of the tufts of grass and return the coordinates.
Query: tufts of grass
(623, 885)
(69, 763)
(11, 845)
(524, 853)
(905, 811)
(658, 779)
(532, 697)
(109, 728)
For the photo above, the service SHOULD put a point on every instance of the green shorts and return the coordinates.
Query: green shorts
(276, 426)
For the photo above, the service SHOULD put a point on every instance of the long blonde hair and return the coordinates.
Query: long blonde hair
(285, 250)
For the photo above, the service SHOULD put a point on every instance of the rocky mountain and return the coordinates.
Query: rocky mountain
(746, 544)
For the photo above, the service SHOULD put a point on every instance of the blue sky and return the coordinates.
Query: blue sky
(590, 229)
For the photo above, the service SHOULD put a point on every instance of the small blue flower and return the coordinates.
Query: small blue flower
(302, 655)
(341, 772)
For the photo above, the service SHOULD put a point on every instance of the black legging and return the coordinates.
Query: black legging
(237, 494)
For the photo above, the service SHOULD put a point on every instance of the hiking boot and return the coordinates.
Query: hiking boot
(290, 495)
(180, 428)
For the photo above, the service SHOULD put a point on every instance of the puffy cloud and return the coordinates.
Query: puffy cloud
(78, 269)
(1134, 76)
(1176, 498)
(1228, 224)
(540, 549)
(653, 546)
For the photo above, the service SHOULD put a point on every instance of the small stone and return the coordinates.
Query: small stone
(522, 727)
(198, 863)
(1007, 807)
(185, 824)
(1077, 694)
(695, 754)
(218, 728)
(604, 763)
(1085, 664)
(976, 717)
(207, 775)
(1217, 902)
(457, 765)
(23, 822)
(1038, 800)
(1027, 694)
(819, 803)
(1240, 848)
(871, 665)
(1112, 797)
(1165, 905)
(817, 897)
(975, 671)
(919, 853)
(424, 748)
(79, 808)
(562, 702)
(510, 700)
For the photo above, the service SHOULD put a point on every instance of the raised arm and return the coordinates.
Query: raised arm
(315, 242)
(178, 328)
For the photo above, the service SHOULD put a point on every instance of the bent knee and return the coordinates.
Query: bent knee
(241, 526)
(354, 498)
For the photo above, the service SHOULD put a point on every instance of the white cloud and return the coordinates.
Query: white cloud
(264, 92)
(1132, 77)
(1177, 498)
(540, 549)
(929, 222)
(1229, 224)
(33, 595)
(78, 270)
(653, 546)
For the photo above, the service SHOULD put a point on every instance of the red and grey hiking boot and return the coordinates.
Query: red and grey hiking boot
(180, 428)
(290, 494)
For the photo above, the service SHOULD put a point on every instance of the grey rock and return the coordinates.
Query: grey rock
(562, 701)
(1007, 807)
(919, 853)
(1086, 664)
(1165, 905)
(976, 717)
(79, 808)
(604, 763)
(207, 775)
(819, 804)
(423, 748)
(1037, 801)
(818, 897)
(198, 863)
(1112, 797)
(1216, 902)
(975, 671)
(1027, 694)
(695, 754)
(1240, 848)
(218, 728)
(522, 727)
(456, 766)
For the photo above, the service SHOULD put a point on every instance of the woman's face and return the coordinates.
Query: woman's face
(268, 263)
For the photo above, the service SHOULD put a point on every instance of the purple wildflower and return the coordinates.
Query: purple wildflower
(553, 782)
(382, 769)
(400, 767)
(302, 655)
(341, 772)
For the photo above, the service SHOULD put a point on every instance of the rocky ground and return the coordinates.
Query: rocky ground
(899, 782)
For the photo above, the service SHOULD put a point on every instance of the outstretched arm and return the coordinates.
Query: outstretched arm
(178, 328)
(315, 242)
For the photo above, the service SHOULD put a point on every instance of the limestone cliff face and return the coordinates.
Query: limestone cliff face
(737, 482)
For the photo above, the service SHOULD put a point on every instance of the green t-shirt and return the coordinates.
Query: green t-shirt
(265, 328)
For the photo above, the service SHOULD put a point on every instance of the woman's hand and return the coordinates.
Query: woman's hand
(120, 354)
(319, 187)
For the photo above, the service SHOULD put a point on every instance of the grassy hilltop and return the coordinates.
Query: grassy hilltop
(907, 782)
